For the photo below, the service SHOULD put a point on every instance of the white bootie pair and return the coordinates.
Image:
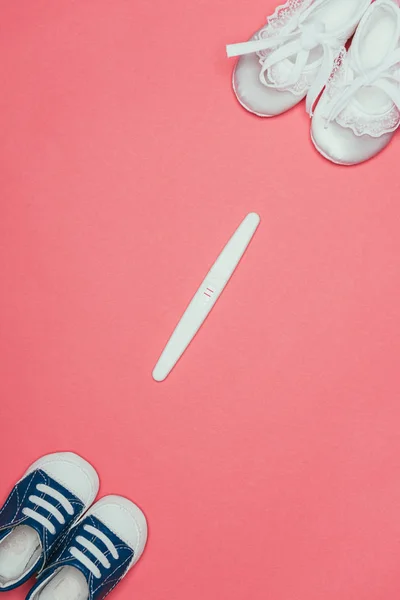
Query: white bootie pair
(300, 53)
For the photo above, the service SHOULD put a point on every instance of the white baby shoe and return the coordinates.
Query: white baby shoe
(292, 56)
(360, 109)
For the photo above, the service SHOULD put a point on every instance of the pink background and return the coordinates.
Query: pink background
(269, 462)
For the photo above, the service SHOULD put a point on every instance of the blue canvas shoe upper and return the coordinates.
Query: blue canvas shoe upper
(93, 549)
(35, 519)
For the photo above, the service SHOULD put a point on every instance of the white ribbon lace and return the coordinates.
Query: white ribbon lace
(294, 40)
(381, 77)
(37, 501)
(94, 551)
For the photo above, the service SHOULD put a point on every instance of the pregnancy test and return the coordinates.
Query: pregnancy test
(206, 296)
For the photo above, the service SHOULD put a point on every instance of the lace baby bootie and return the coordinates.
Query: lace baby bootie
(359, 111)
(292, 56)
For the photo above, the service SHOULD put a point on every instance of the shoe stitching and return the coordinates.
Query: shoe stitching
(97, 562)
(101, 584)
(9, 500)
(67, 486)
(136, 525)
(123, 546)
(117, 581)
(19, 502)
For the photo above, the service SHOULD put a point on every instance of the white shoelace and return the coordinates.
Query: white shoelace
(294, 40)
(37, 501)
(88, 545)
(380, 77)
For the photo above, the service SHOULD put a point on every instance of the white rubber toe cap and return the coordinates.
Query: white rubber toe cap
(125, 519)
(72, 472)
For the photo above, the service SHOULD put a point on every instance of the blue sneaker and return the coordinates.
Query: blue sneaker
(96, 554)
(50, 497)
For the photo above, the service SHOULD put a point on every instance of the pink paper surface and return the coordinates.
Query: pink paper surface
(268, 463)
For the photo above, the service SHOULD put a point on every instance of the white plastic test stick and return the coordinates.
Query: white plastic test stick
(206, 296)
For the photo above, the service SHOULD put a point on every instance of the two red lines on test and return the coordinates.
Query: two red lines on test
(209, 292)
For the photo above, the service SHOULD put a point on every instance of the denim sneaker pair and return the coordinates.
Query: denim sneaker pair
(49, 526)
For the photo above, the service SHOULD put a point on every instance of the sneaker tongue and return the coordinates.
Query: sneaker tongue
(68, 584)
(19, 551)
